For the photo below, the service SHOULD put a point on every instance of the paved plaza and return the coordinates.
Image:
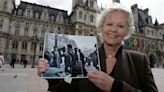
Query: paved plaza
(22, 79)
(159, 78)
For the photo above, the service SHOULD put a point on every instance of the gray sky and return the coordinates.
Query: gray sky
(156, 7)
(84, 42)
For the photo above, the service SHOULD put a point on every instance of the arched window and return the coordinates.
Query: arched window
(80, 14)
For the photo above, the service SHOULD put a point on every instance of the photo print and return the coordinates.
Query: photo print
(70, 55)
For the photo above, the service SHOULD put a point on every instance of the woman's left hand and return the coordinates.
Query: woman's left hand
(101, 80)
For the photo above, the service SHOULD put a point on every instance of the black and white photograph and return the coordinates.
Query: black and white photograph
(70, 55)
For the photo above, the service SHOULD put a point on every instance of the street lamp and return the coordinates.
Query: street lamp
(34, 40)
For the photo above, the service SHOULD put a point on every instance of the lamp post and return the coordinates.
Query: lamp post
(34, 40)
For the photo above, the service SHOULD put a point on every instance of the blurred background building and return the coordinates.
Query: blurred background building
(22, 29)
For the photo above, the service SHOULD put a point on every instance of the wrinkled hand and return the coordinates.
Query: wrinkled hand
(42, 66)
(101, 80)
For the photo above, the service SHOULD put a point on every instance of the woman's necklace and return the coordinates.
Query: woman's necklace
(110, 63)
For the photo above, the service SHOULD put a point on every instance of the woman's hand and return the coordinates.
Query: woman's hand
(42, 66)
(101, 80)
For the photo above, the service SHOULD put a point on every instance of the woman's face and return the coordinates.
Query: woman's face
(115, 28)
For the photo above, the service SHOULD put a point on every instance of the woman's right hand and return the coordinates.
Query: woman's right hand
(42, 66)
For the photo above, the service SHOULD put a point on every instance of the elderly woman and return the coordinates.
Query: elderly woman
(121, 70)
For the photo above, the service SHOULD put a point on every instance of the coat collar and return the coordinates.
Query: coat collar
(124, 68)
(103, 57)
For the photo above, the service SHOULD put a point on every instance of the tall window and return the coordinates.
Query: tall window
(17, 30)
(20, 12)
(80, 14)
(42, 33)
(45, 16)
(41, 47)
(163, 36)
(152, 45)
(37, 15)
(15, 44)
(0, 43)
(161, 46)
(85, 16)
(142, 43)
(79, 32)
(58, 30)
(35, 32)
(27, 24)
(52, 18)
(24, 45)
(26, 32)
(32, 45)
(59, 18)
(91, 4)
(1, 24)
(91, 18)
(28, 13)
(86, 33)
(152, 32)
(141, 31)
(5, 5)
(9, 29)
(148, 32)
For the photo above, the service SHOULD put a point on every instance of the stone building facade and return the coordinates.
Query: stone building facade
(148, 37)
(22, 28)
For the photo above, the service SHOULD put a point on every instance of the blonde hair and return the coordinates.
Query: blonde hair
(114, 7)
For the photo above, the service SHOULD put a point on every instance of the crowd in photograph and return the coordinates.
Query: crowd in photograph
(73, 59)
